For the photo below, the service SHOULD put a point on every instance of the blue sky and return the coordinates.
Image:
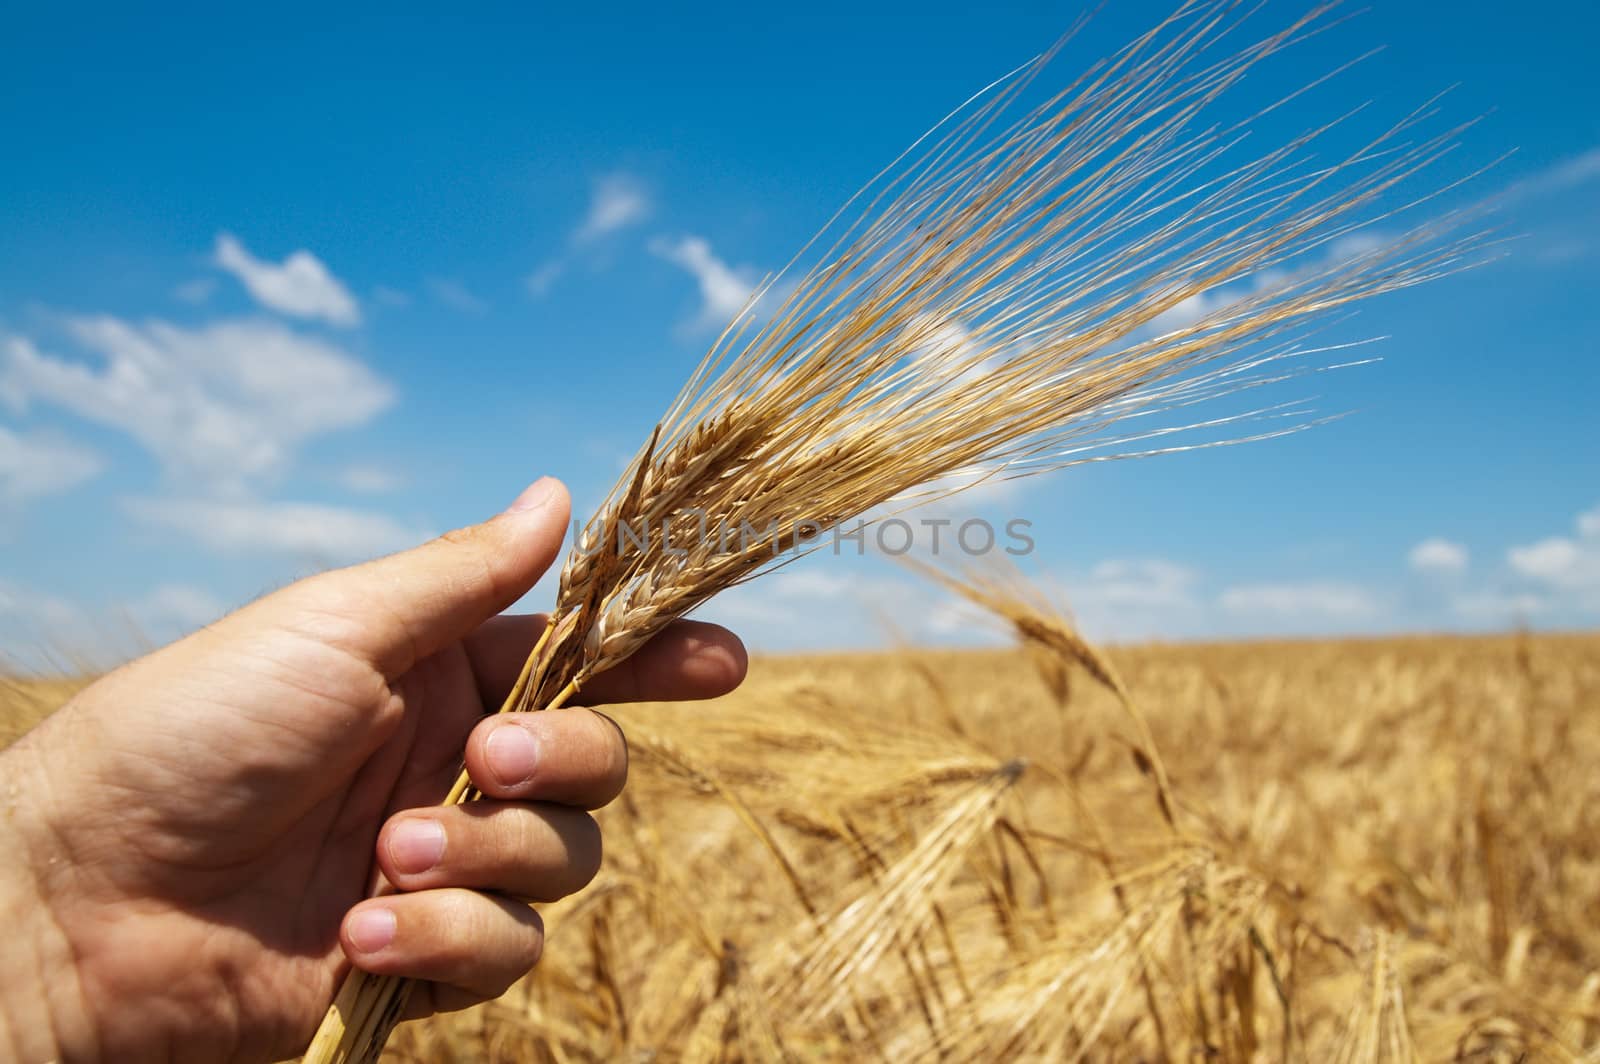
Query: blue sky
(278, 293)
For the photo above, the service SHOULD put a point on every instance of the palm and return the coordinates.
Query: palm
(252, 887)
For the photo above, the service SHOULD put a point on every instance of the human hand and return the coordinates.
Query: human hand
(189, 841)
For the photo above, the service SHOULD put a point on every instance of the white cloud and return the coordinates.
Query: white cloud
(1143, 581)
(1149, 583)
(1198, 305)
(812, 583)
(762, 623)
(1187, 311)
(1134, 598)
(724, 290)
(947, 351)
(369, 479)
(196, 291)
(36, 609)
(1556, 578)
(1567, 174)
(50, 633)
(1589, 523)
(954, 498)
(36, 465)
(176, 606)
(224, 403)
(456, 295)
(1499, 608)
(1438, 555)
(615, 202)
(544, 277)
(1568, 566)
(1311, 600)
(1557, 561)
(312, 531)
(300, 286)
(954, 617)
(834, 602)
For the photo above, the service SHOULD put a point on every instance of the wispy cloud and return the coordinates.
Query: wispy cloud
(1559, 228)
(1144, 583)
(309, 531)
(1589, 523)
(1437, 555)
(1203, 304)
(812, 583)
(1309, 601)
(369, 479)
(196, 291)
(616, 201)
(1188, 310)
(50, 632)
(724, 290)
(456, 296)
(1131, 598)
(1560, 177)
(36, 465)
(544, 277)
(300, 286)
(816, 605)
(222, 404)
(173, 609)
(1499, 609)
(31, 620)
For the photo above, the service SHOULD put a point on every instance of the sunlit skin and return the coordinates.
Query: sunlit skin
(189, 840)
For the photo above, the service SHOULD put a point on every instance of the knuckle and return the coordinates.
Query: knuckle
(473, 931)
(612, 763)
(534, 946)
(484, 837)
(521, 836)
(562, 854)
(481, 559)
(586, 854)
(519, 949)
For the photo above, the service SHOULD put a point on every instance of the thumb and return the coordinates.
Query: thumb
(395, 611)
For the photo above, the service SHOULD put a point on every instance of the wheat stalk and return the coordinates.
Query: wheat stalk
(997, 303)
(1056, 1002)
(1038, 624)
(1376, 1029)
(810, 982)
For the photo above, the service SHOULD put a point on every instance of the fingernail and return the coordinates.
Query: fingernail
(416, 844)
(512, 753)
(535, 495)
(371, 929)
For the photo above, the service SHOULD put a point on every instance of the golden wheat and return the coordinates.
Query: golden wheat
(1433, 795)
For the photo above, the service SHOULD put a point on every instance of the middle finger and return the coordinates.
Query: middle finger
(535, 851)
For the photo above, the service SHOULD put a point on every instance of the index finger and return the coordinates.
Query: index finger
(571, 756)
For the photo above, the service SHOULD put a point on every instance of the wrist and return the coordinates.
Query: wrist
(42, 1013)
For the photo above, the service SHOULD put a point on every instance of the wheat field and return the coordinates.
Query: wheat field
(1377, 850)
